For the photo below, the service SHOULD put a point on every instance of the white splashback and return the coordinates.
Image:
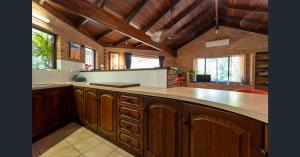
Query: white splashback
(157, 77)
(40, 76)
(65, 65)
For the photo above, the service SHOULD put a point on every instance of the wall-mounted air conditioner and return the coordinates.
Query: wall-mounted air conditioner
(215, 43)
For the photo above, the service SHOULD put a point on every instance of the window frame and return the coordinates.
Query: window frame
(109, 58)
(228, 75)
(147, 57)
(54, 50)
(94, 55)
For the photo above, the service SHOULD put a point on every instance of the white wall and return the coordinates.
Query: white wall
(66, 70)
(156, 78)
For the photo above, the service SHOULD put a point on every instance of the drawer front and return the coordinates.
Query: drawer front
(129, 141)
(128, 112)
(130, 127)
(129, 100)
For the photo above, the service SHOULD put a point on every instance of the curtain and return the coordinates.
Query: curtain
(242, 67)
(127, 57)
(161, 61)
(195, 64)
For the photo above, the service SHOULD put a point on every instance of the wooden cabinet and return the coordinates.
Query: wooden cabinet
(161, 127)
(78, 101)
(214, 133)
(107, 113)
(130, 122)
(59, 106)
(39, 118)
(51, 108)
(90, 107)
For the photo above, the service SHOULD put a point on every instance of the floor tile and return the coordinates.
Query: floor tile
(111, 145)
(78, 136)
(86, 144)
(116, 154)
(69, 152)
(60, 147)
(100, 150)
(123, 152)
(34, 151)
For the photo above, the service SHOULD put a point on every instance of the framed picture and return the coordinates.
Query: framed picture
(74, 51)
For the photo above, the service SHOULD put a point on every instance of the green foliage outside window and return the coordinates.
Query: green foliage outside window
(42, 49)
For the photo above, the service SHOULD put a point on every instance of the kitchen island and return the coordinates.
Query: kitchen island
(136, 119)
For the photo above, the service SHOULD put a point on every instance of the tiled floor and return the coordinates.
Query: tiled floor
(76, 141)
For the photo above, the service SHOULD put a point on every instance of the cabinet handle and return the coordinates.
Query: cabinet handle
(128, 126)
(185, 120)
(264, 153)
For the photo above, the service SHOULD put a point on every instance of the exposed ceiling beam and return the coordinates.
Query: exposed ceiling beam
(101, 35)
(129, 18)
(135, 10)
(241, 19)
(121, 41)
(82, 22)
(101, 3)
(47, 7)
(183, 13)
(138, 44)
(200, 15)
(238, 26)
(152, 23)
(87, 10)
(199, 32)
(243, 8)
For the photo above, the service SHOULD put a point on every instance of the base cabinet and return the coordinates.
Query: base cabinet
(214, 133)
(78, 102)
(51, 108)
(90, 107)
(161, 128)
(107, 113)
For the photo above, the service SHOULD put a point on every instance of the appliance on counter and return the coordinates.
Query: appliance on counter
(203, 78)
(116, 84)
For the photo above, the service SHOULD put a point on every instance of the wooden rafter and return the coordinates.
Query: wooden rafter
(153, 22)
(238, 26)
(101, 35)
(241, 19)
(129, 18)
(135, 10)
(204, 28)
(121, 41)
(41, 2)
(101, 3)
(138, 44)
(183, 13)
(82, 22)
(243, 8)
(201, 14)
(87, 10)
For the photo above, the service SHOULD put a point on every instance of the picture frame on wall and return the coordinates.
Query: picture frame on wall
(75, 51)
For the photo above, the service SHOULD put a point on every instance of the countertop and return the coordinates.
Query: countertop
(247, 104)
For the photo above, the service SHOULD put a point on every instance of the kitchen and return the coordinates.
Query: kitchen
(150, 78)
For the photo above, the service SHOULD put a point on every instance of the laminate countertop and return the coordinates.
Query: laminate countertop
(247, 104)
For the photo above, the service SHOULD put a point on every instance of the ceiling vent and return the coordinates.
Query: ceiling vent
(215, 43)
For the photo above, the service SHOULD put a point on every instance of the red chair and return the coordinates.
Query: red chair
(252, 90)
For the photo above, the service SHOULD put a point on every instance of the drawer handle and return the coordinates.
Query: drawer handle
(128, 126)
(129, 101)
(264, 153)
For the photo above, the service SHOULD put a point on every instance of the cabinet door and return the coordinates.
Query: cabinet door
(38, 112)
(78, 98)
(58, 100)
(161, 128)
(107, 113)
(214, 133)
(90, 107)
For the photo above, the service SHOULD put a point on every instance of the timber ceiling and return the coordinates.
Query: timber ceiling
(189, 19)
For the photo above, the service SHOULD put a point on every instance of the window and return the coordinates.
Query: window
(114, 60)
(43, 46)
(90, 58)
(223, 69)
(138, 62)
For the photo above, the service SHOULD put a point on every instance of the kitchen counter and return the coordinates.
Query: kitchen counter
(247, 104)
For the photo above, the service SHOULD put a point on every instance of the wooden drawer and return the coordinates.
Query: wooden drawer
(129, 112)
(130, 127)
(129, 141)
(129, 100)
